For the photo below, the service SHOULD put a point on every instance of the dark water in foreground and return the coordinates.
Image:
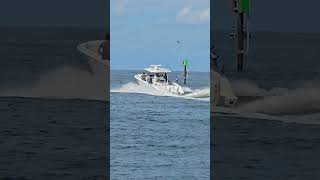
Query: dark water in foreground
(52, 139)
(155, 136)
(262, 149)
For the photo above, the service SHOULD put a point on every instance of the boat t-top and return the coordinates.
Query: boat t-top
(157, 77)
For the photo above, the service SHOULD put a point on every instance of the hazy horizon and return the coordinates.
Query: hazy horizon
(99, 27)
(147, 66)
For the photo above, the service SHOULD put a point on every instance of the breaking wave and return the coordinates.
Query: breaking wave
(62, 83)
(281, 101)
(200, 94)
(300, 104)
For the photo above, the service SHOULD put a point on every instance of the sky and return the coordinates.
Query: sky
(274, 15)
(82, 13)
(146, 32)
(271, 15)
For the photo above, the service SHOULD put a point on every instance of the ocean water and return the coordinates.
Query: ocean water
(52, 125)
(277, 135)
(159, 136)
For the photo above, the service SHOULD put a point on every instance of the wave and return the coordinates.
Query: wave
(136, 88)
(300, 104)
(199, 94)
(62, 83)
(282, 101)
(301, 119)
(247, 88)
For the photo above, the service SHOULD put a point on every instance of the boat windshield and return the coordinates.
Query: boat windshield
(158, 77)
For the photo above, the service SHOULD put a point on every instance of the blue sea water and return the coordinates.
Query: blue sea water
(156, 136)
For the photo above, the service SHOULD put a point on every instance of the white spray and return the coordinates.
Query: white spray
(62, 83)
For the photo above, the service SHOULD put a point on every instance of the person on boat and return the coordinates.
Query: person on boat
(217, 64)
(165, 77)
(177, 80)
(160, 77)
(104, 48)
(143, 76)
(147, 78)
(214, 58)
(157, 77)
(150, 80)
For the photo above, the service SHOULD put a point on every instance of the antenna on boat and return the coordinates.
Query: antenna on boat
(241, 8)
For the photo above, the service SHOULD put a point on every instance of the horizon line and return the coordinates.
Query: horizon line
(51, 26)
(109, 28)
(143, 70)
(269, 31)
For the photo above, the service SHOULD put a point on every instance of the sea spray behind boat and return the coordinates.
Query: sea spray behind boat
(199, 93)
(62, 83)
(135, 88)
(282, 101)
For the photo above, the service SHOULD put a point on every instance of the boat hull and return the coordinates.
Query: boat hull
(99, 67)
(173, 88)
(222, 93)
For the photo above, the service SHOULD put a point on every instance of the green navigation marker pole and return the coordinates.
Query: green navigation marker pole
(185, 73)
(241, 7)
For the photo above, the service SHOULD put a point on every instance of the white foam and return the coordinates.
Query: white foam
(247, 88)
(300, 119)
(299, 105)
(62, 83)
(197, 94)
(282, 101)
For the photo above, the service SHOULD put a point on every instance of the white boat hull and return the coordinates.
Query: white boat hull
(172, 88)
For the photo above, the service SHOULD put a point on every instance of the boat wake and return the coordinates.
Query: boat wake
(299, 105)
(135, 88)
(62, 83)
(197, 94)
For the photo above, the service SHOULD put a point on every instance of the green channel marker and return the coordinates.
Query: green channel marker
(186, 62)
(245, 6)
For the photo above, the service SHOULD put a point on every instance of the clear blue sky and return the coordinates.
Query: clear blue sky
(146, 32)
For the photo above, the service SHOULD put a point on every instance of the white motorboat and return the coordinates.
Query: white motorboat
(157, 77)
